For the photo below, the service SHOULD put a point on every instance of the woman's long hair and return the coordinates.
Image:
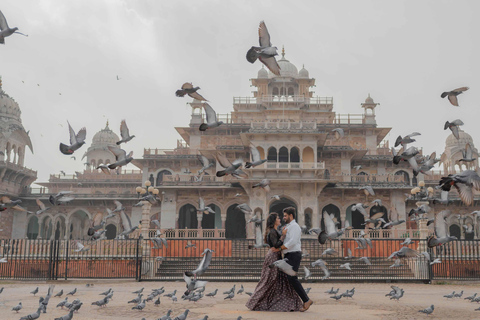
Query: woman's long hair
(272, 218)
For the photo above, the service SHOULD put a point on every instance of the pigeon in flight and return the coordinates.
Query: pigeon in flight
(406, 140)
(259, 241)
(124, 133)
(339, 133)
(441, 230)
(211, 116)
(202, 267)
(256, 161)
(202, 208)
(437, 260)
(41, 206)
(467, 154)
(5, 30)
(368, 190)
(453, 126)
(323, 266)
(245, 208)
(452, 95)
(284, 267)
(229, 167)
(61, 197)
(81, 247)
(127, 225)
(205, 163)
(265, 184)
(76, 140)
(331, 232)
(464, 182)
(190, 245)
(121, 157)
(188, 88)
(404, 252)
(265, 52)
(366, 260)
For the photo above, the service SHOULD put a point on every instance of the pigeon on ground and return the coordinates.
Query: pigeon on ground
(192, 284)
(5, 30)
(182, 316)
(229, 167)
(121, 157)
(139, 306)
(212, 294)
(265, 184)
(138, 291)
(249, 293)
(124, 133)
(76, 140)
(229, 296)
(231, 290)
(32, 316)
(35, 291)
(470, 297)
(137, 300)
(59, 294)
(452, 95)
(428, 310)
(211, 117)
(167, 316)
(454, 127)
(188, 88)
(62, 303)
(458, 295)
(157, 302)
(72, 292)
(241, 290)
(101, 303)
(337, 297)
(398, 293)
(69, 316)
(169, 295)
(331, 291)
(18, 307)
(265, 52)
(256, 161)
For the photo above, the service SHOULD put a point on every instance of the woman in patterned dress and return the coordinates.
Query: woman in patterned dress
(273, 292)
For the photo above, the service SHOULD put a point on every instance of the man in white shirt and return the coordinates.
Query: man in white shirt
(292, 250)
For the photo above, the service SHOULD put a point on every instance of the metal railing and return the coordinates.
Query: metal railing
(189, 233)
(271, 99)
(460, 260)
(291, 165)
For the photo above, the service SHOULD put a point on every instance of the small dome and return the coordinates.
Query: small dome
(453, 143)
(369, 100)
(303, 73)
(8, 106)
(287, 69)
(105, 137)
(262, 73)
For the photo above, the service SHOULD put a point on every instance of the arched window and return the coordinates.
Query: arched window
(187, 217)
(308, 218)
(290, 91)
(32, 228)
(355, 218)
(79, 225)
(262, 152)
(60, 229)
(361, 177)
(455, 231)
(272, 154)
(331, 208)
(283, 154)
(326, 174)
(212, 220)
(47, 228)
(406, 177)
(160, 176)
(375, 213)
(308, 155)
(294, 155)
(282, 91)
(235, 223)
(275, 91)
(111, 231)
(278, 206)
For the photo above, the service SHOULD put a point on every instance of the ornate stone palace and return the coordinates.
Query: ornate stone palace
(308, 166)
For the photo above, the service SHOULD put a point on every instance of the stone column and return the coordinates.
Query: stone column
(224, 218)
(199, 219)
(423, 229)
(146, 208)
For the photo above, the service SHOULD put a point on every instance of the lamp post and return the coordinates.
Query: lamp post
(149, 197)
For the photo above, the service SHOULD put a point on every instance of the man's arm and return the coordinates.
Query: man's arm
(284, 234)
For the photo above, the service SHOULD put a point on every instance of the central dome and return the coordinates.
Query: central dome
(464, 138)
(287, 69)
(105, 137)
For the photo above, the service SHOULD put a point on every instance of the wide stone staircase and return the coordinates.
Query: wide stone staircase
(246, 265)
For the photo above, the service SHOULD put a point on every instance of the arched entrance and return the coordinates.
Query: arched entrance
(235, 225)
(355, 218)
(406, 176)
(79, 223)
(187, 217)
(60, 228)
(160, 176)
(278, 206)
(308, 214)
(331, 208)
(47, 228)
(212, 220)
(111, 231)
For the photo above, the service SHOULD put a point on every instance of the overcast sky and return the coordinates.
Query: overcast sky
(404, 53)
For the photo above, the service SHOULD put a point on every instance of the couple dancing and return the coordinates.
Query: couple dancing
(276, 290)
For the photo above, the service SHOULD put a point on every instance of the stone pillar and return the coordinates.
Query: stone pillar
(146, 208)
(422, 227)
(224, 218)
(199, 219)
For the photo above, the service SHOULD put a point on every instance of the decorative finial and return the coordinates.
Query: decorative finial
(303, 66)
(106, 127)
(283, 51)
